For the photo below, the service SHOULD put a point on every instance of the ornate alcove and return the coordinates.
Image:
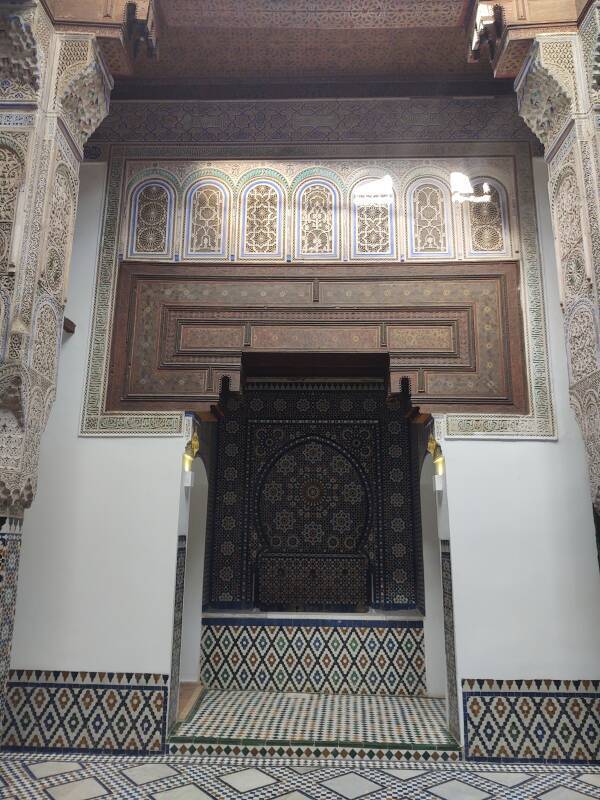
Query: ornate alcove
(316, 504)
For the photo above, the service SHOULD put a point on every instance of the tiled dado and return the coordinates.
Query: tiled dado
(311, 655)
(101, 712)
(10, 547)
(532, 720)
(381, 756)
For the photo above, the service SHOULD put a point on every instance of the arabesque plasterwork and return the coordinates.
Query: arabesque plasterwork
(559, 99)
(129, 166)
(63, 89)
(54, 92)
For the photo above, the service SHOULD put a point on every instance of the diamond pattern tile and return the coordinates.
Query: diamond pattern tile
(357, 657)
(458, 790)
(248, 779)
(226, 778)
(85, 789)
(532, 720)
(352, 786)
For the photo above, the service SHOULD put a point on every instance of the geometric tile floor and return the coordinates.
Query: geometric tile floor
(289, 717)
(78, 777)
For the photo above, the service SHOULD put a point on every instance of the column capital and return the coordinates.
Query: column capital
(83, 92)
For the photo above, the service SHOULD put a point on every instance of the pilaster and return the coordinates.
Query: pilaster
(56, 94)
(559, 98)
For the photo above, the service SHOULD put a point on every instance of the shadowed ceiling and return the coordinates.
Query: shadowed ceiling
(296, 41)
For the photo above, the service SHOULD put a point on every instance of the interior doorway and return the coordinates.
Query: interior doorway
(314, 632)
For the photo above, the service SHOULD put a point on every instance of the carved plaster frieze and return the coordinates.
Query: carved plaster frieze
(169, 160)
(544, 99)
(85, 101)
(589, 33)
(585, 401)
(40, 152)
(82, 88)
(558, 93)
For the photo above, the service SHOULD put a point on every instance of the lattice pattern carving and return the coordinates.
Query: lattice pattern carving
(567, 222)
(582, 337)
(429, 234)
(486, 223)
(373, 228)
(11, 168)
(262, 221)
(373, 219)
(152, 220)
(558, 83)
(538, 424)
(317, 208)
(206, 221)
(45, 355)
(59, 231)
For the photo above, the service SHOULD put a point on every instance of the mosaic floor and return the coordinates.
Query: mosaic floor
(184, 778)
(290, 718)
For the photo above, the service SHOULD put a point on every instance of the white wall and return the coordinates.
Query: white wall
(524, 562)
(433, 624)
(96, 580)
(194, 576)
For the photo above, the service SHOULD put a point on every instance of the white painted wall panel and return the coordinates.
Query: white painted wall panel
(96, 580)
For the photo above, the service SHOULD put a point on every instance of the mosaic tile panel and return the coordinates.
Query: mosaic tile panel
(449, 643)
(32, 777)
(532, 720)
(10, 547)
(288, 718)
(177, 629)
(97, 712)
(350, 454)
(328, 750)
(333, 657)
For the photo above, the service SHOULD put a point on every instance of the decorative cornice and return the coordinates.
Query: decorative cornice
(542, 99)
(85, 100)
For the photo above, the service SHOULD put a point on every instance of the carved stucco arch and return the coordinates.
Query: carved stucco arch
(437, 178)
(297, 191)
(360, 177)
(478, 180)
(208, 180)
(246, 184)
(166, 183)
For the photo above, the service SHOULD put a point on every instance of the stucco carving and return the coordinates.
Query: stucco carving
(543, 100)
(85, 101)
(38, 175)
(558, 92)
(11, 176)
(19, 63)
(180, 166)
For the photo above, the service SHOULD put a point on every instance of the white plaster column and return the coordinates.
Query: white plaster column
(559, 98)
(54, 94)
